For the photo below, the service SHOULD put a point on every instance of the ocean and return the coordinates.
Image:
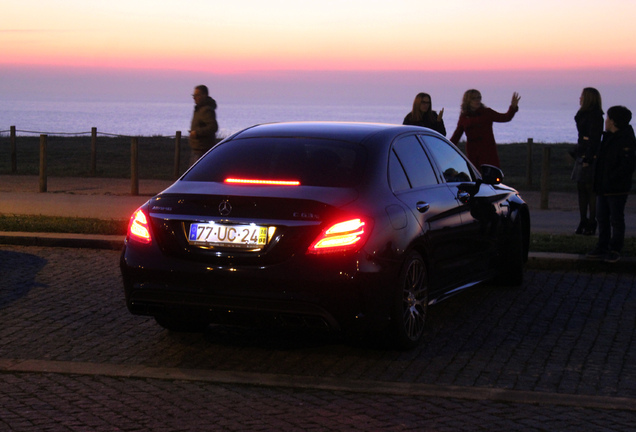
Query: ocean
(554, 125)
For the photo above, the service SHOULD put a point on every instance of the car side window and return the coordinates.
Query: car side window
(397, 176)
(451, 163)
(410, 155)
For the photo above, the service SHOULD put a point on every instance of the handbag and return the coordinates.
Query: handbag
(577, 171)
(582, 172)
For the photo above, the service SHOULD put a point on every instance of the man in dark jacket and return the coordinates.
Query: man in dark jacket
(204, 126)
(614, 167)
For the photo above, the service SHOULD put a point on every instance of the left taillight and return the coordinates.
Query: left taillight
(346, 236)
(138, 228)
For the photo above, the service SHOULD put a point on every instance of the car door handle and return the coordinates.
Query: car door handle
(422, 206)
(463, 196)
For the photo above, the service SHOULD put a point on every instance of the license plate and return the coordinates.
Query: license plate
(239, 236)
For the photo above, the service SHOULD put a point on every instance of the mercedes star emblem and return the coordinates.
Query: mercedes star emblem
(225, 208)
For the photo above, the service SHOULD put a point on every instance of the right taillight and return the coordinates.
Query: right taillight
(138, 228)
(345, 236)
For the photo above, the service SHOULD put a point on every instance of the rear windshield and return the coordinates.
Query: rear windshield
(312, 162)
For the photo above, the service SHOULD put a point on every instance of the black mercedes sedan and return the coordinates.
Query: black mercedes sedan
(341, 226)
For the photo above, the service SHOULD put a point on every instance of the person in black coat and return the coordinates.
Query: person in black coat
(613, 171)
(423, 115)
(589, 125)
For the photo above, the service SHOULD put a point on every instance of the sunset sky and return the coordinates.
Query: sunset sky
(161, 48)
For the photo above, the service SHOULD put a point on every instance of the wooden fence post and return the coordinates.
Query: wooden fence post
(93, 151)
(545, 178)
(134, 166)
(529, 164)
(14, 157)
(177, 154)
(43, 141)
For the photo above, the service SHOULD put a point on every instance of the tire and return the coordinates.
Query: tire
(181, 325)
(411, 303)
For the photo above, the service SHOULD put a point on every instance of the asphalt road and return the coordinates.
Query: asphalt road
(558, 353)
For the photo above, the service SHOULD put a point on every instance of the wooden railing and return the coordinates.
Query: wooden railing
(134, 156)
(134, 160)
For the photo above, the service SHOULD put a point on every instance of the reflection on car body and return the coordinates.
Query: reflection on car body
(343, 226)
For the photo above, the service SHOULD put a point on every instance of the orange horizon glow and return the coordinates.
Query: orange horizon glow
(332, 36)
(247, 66)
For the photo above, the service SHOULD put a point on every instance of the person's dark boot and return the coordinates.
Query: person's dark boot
(590, 228)
(582, 227)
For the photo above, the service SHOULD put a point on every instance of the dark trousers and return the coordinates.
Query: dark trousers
(587, 201)
(610, 214)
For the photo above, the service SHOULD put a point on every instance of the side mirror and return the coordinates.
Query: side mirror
(491, 175)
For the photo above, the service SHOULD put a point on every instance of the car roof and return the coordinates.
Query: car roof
(344, 131)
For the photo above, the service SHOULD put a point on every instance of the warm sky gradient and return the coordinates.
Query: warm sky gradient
(69, 46)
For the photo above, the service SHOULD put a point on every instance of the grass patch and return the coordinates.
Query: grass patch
(522, 165)
(71, 156)
(56, 224)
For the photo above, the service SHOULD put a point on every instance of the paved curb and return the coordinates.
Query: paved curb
(536, 260)
(321, 383)
(63, 240)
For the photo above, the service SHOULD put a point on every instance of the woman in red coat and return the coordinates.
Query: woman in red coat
(476, 121)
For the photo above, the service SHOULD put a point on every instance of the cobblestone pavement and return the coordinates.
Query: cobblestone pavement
(557, 354)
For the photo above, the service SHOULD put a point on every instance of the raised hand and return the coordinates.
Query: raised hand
(440, 115)
(515, 99)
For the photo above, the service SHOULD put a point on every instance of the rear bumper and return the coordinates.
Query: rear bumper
(316, 292)
(153, 300)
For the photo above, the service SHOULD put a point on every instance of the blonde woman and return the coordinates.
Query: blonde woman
(476, 121)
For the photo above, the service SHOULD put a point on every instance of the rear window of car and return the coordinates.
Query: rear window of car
(312, 162)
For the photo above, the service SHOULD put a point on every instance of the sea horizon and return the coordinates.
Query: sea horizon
(554, 125)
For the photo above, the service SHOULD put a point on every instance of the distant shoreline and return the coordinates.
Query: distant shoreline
(551, 125)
